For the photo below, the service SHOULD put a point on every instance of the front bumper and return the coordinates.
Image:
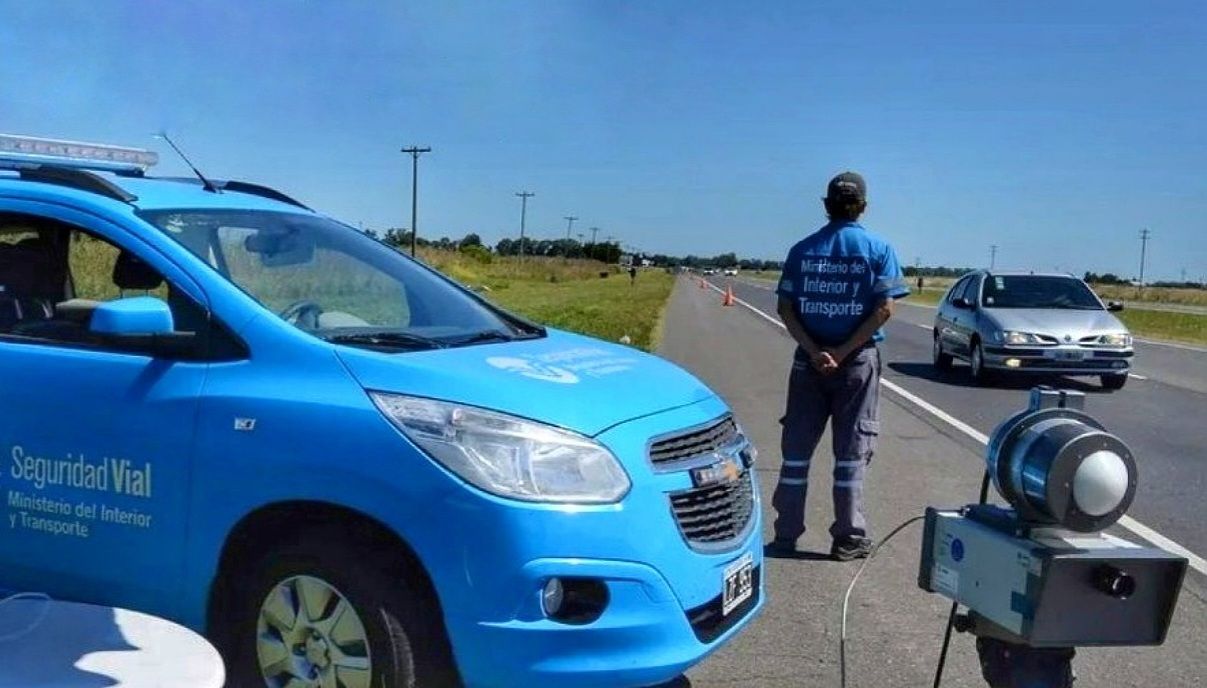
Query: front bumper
(644, 638)
(1059, 360)
(664, 595)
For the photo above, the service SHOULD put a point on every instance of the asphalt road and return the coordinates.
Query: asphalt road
(1161, 413)
(895, 628)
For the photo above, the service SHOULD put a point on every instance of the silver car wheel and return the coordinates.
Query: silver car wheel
(308, 635)
(976, 363)
(938, 349)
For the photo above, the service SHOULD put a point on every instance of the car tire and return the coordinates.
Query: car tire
(976, 365)
(394, 633)
(940, 359)
(1114, 381)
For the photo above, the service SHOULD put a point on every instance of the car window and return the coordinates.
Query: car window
(1039, 291)
(957, 290)
(332, 281)
(54, 276)
(971, 289)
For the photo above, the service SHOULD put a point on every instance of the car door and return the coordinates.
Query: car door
(948, 312)
(964, 318)
(95, 440)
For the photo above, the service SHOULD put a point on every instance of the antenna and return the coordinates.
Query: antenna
(205, 183)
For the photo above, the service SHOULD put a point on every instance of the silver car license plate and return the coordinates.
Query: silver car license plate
(738, 583)
(1065, 354)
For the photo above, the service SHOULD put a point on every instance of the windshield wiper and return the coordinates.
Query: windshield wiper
(483, 336)
(387, 339)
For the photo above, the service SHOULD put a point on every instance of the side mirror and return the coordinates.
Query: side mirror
(964, 303)
(1114, 305)
(139, 323)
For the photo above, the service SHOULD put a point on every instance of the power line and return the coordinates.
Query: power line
(415, 152)
(524, 196)
(1144, 235)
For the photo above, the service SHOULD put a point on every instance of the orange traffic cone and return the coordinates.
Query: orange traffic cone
(728, 300)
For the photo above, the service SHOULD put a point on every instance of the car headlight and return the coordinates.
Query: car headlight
(1121, 339)
(508, 456)
(1019, 338)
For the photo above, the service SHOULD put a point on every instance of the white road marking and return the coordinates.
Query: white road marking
(1196, 562)
(1138, 377)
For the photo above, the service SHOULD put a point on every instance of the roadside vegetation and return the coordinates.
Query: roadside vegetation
(583, 296)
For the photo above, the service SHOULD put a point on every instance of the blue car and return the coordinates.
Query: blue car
(223, 408)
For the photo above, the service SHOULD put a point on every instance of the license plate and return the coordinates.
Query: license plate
(739, 583)
(1065, 354)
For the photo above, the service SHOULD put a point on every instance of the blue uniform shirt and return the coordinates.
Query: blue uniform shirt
(836, 276)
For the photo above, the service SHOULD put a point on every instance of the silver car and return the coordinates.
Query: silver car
(1031, 323)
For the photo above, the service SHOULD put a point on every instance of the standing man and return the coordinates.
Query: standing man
(837, 289)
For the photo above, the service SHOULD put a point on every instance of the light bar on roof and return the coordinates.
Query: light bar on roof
(29, 150)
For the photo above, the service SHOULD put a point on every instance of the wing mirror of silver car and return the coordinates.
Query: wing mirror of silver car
(964, 303)
(1114, 305)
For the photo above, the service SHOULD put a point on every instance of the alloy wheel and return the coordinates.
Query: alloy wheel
(308, 635)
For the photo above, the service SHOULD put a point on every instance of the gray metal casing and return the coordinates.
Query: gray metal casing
(1040, 589)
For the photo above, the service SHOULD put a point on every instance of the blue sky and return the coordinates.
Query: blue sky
(1055, 130)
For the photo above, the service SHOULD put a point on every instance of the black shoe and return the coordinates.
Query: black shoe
(782, 548)
(848, 548)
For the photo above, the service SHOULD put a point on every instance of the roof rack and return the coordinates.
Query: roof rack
(75, 179)
(242, 187)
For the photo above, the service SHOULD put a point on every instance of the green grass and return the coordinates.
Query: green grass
(1181, 327)
(606, 308)
(569, 295)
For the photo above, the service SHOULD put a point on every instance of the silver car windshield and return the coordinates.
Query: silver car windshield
(333, 281)
(1038, 291)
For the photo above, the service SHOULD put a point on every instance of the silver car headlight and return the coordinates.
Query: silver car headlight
(1119, 339)
(508, 456)
(1012, 338)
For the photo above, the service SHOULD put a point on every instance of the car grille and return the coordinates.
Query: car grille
(694, 443)
(716, 515)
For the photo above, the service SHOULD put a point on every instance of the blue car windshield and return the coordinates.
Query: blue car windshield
(1038, 291)
(333, 281)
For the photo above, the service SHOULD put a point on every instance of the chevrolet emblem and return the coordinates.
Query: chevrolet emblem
(727, 470)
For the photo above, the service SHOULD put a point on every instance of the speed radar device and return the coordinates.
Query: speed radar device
(1040, 573)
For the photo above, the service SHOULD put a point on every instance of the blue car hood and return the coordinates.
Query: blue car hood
(581, 384)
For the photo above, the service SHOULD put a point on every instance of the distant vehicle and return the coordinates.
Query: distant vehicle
(731, 272)
(1031, 323)
(710, 271)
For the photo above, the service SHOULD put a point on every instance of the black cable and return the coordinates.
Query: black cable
(846, 599)
(951, 617)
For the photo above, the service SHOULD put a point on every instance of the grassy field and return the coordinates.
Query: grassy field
(569, 295)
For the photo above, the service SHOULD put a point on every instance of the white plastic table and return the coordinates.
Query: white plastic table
(86, 646)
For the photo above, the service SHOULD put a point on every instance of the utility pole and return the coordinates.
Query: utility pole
(569, 225)
(992, 255)
(524, 196)
(415, 152)
(594, 231)
(1144, 235)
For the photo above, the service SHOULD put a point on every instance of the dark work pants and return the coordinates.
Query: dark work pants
(851, 397)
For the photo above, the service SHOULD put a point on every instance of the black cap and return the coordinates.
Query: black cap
(848, 186)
